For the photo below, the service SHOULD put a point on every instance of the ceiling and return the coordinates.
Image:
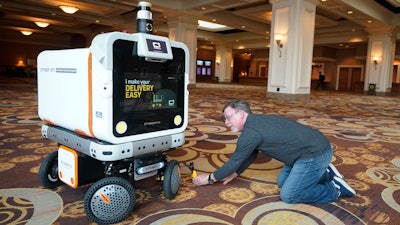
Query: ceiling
(249, 20)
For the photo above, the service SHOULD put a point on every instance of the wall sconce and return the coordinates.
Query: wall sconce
(26, 32)
(42, 24)
(217, 61)
(278, 39)
(375, 59)
(68, 9)
(20, 63)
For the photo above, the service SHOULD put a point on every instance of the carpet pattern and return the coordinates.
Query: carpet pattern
(364, 131)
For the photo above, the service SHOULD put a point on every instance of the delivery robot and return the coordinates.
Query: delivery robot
(115, 109)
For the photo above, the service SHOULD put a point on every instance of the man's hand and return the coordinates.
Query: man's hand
(229, 178)
(200, 180)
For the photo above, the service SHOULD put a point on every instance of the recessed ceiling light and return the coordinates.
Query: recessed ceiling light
(26, 33)
(212, 26)
(350, 12)
(68, 9)
(42, 24)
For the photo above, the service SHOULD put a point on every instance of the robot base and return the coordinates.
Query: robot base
(111, 199)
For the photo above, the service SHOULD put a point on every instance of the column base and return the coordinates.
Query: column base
(191, 86)
(288, 96)
(377, 93)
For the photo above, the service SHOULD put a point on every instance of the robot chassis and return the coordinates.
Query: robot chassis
(112, 198)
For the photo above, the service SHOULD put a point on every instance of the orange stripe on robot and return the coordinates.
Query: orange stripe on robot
(90, 105)
(48, 121)
(81, 132)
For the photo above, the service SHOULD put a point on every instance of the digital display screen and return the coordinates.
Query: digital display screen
(147, 96)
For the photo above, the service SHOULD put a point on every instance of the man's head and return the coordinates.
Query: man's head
(235, 113)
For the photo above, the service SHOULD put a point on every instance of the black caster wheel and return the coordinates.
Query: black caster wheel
(109, 200)
(48, 171)
(172, 179)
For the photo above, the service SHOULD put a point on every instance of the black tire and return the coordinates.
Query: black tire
(172, 179)
(109, 200)
(48, 171)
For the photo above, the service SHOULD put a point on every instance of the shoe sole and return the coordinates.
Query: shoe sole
(344, 184)
(335, 171)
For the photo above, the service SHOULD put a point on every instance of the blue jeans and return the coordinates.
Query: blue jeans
(300, 183)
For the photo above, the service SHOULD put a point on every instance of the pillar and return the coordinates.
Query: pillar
(223, 68)
(291, 48)
(183, 28)
(379, 62)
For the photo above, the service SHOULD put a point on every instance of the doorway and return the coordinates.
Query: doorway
(350, 79)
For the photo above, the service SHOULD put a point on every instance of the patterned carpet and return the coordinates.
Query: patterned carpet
(363, 129)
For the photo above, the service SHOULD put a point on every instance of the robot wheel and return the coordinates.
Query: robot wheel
(109, 200)
(172, 179)
(48, 171)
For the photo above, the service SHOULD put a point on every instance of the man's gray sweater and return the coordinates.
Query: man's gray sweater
(276, 136)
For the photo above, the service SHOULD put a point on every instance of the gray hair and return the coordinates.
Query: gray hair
(238, 104)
